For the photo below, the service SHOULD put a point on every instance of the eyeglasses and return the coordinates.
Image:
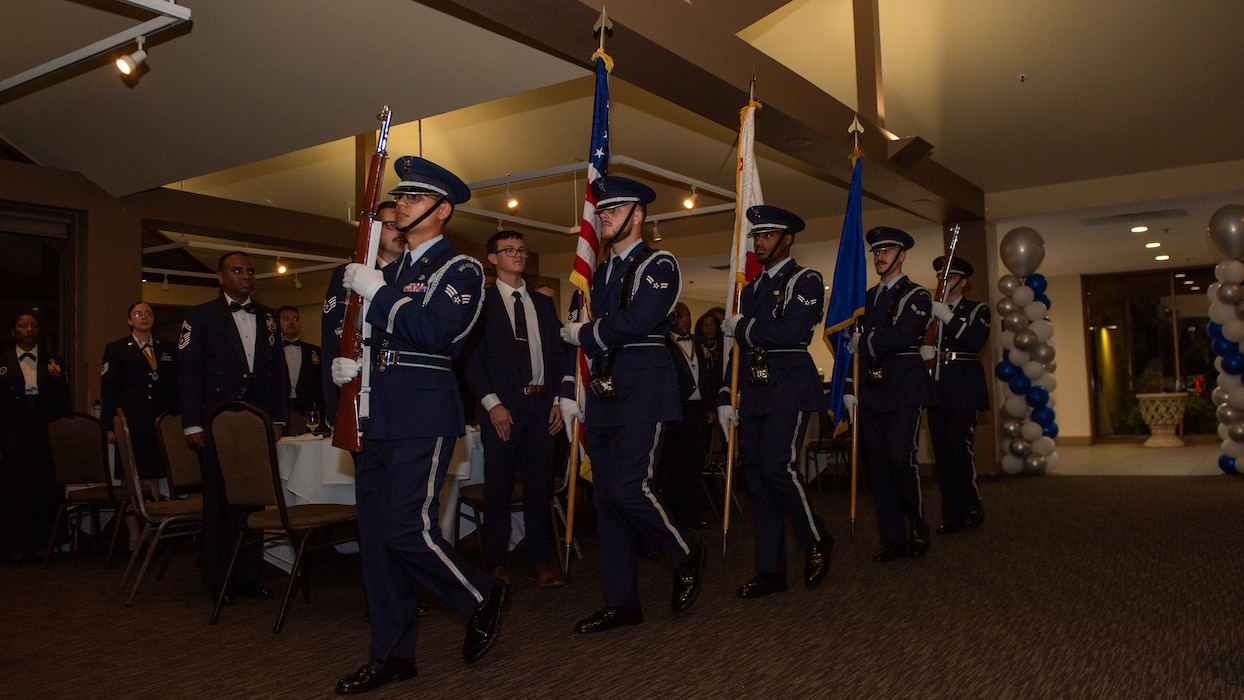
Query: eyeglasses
(142, 314)
(391, 225)
(412, 196)
(515, 252)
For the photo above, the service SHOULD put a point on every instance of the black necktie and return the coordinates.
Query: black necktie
(295, 343)
(24, 355)
(248, 307)
(520, 317)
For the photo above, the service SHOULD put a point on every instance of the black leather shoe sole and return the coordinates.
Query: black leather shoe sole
(890, 552)
(688, 577)
(484, 624)
(608, 619)
(762, 585)
(375, 674)
(816, 566)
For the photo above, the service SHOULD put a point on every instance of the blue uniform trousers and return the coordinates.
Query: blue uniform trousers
(772, 442)
(951, 432)
(891, 440)
(531, 448)
(623, 458)
(398, 485)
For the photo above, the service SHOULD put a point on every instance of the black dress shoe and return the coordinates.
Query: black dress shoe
(253, 591)
(422, 610)
(376, 674)
(918, 540)
(890, 552)
(976, 516)
(687, 578)
(484, 624)
(606, 619)
(229, 598)
(816, 564)
(950, 527)
(761, 585)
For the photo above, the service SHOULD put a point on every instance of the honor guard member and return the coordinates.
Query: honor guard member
(894, 388)
(139, 376)
(961, 393)
(512, 356)
(634, 392)
(687, 441)
(779, 391)
(422, 309)
(306, 390)
(229, 349)
(34, 391)
(392, 247)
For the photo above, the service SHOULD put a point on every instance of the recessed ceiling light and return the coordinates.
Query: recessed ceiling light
(1153, 244)
(1179, 274)
(1161, 257)
(1139, 229)
(1194, 289)
(1187, 281)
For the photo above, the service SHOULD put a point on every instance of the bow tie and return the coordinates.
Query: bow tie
(248, 307)
(295, 343)
(24, 355)
(681, 338)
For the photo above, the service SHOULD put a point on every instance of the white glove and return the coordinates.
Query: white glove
(942, 312)
(570, 412)
(345, 369)
(727, 326)
(927, 352)
(853, 345)
(849, 402)
(570, 333)
(364, 280)
(725, 416)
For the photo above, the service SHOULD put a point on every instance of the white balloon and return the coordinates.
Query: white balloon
(1221, 313)
(1235, 397)
(1011, 464)
(1051, 461)
(1043, 446)
(1046, 381)
(1035, 311)
(1034, 370)
(1008, 340)
(1031, 430)
(1016, 406)
(1212, 291)
(1222, 431)
(1020, 357)
(1227, 381)
(1233, 449)
(1233, 330)
(1023, 295)
(1052, 401)
(1230, 271)
(1045, 330)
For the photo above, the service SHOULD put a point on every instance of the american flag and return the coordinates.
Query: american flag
(743, 264)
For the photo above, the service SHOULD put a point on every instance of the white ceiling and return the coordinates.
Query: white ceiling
(1126, 108)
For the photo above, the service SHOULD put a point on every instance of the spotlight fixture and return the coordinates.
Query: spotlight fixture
(689, 202)
(656, 231)
(164, 284)
(128, 64)
(500, 225)
(297, 282)
(1139, 229)
(280, 267)
(511, 202)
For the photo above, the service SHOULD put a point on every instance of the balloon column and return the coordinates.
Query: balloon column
(1226, 330)
(1027, 366)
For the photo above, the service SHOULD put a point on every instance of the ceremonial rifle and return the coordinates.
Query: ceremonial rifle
(930, 336)
(352, 404)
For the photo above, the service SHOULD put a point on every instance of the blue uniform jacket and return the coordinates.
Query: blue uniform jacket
(428, 310)
(794, 383)
(897, 346)
(126, 381)
(961, 383)
(643, 371)
(495, 361)
(212, 364)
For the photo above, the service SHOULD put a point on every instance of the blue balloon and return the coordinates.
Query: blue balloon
(1037, 283)
(1227, 464)
(1214, 330)
(1037, 396)
(1051, 430)
(1233, 363)
(1019, 384)
(1223, 347)
(1044, 300)
(1005, 370)
(1044, 417)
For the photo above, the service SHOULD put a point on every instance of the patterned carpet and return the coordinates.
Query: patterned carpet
(1076, 587)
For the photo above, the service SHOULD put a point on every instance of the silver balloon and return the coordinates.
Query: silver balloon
(1022, 251)
(1051, 366)
(1219, 395)
(1006, 305)
(1042, 352)
(1025, 339)
(1229, 293)
(1226, 231)
(1008, 283)
(1020, 447)
(1235, 431)
(1227, 414)
(1034, 464)
(1015, 321)
(1011, 429)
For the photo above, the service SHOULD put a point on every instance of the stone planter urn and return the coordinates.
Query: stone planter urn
(1162, 413)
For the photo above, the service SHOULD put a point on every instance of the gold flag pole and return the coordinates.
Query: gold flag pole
(728, 492)
(855, 440)
(572, 475)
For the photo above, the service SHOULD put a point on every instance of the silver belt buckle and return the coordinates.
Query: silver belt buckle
(385, 358)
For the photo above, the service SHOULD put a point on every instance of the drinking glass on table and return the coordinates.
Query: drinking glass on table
(313, 421)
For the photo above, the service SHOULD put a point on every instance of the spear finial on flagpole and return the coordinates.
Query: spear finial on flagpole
(751, 88)
(855, 130)
(602, 25)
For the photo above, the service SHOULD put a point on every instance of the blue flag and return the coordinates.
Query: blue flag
(846, 299)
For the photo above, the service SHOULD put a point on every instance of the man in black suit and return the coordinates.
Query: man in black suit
(513, 359)
(302, 360)
(34, 391)
(229, 349)
(686, 441)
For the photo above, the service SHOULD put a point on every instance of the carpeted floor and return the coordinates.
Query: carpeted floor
(1076, 587)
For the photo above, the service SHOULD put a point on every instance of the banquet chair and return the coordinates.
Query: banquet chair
(163, 521)
(296, 424)
(181, 463)
(714, 475)
(80, 458)
(471, 508)
(252, 477)
(561, 486)
(835, 450)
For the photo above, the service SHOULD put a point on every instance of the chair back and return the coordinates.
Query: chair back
(181, 462)
(125, 452)
(243, 436)
(80, 451)
(296, 424)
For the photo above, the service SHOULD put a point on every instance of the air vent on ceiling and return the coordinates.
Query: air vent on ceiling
(723, 268)
(1135, 217)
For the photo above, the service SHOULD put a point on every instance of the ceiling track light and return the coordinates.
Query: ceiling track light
(689, 202)
(128, 64)
(511, 202)
(164, 284)
(280, 266)
(297, 282)
(656, 231)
